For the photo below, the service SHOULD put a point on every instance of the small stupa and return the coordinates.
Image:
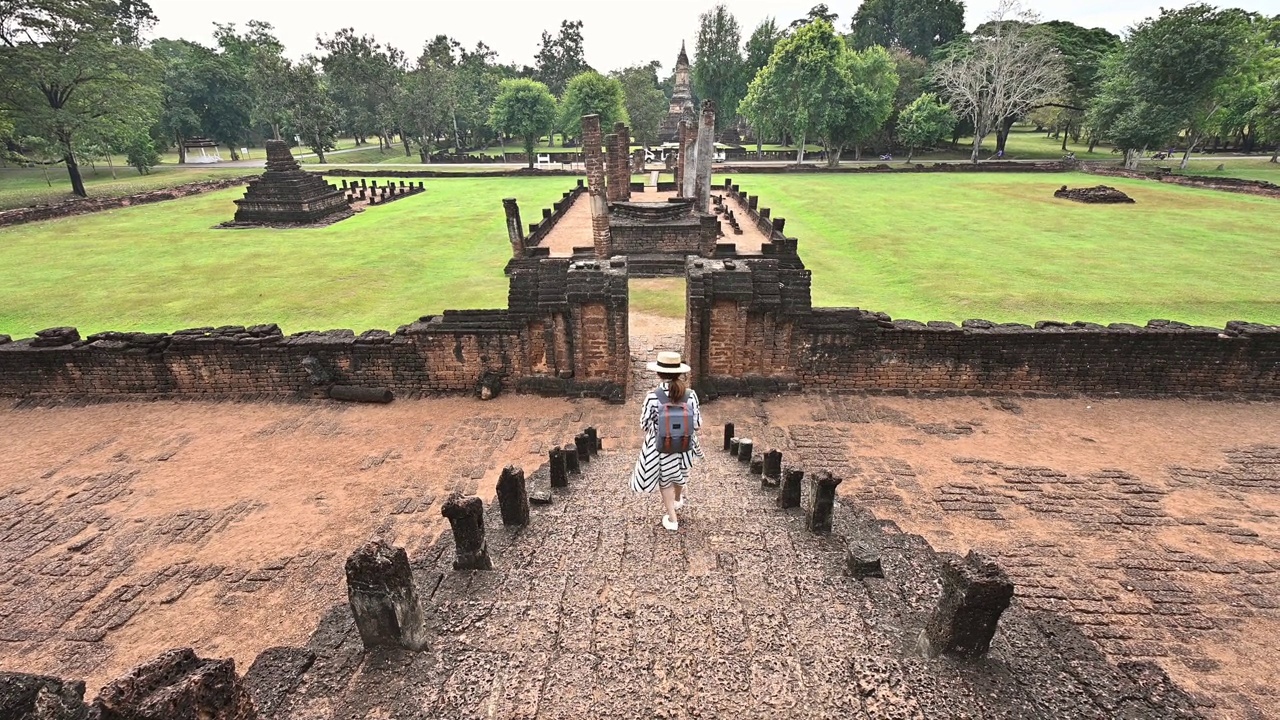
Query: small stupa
(288, 195)
(681, 107)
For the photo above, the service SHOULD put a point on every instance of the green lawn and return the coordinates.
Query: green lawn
(163, 267)
(1000, 247)
(1248, 169)
(20, 187)
(922, 246)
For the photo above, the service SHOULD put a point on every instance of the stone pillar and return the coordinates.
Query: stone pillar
(637, 160)
(772, 469)
(789, 494)
(559, 469)
(611, 167)
(513, 496)
(595, 444)
(745, 446)
(591, 154)
(706, 152)
(583, 445)
(728, 435)
(734, 444)
(466, 516)
(975, 591)
(176, 684)
(822, 501)
(689, 159)
(571, 459)
(515, 231)
(862, 562)
(383, 598)
(624, 161)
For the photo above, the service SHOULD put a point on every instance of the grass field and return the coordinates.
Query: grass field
(164, 267)
(927, 247)
(1000, 247)
(20, 187)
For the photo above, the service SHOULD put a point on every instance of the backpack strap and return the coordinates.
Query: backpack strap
(662, 396)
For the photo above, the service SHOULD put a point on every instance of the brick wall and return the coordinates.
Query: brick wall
(563, 331)
(751, 327)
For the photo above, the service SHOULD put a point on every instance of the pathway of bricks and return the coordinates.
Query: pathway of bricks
(130, 528)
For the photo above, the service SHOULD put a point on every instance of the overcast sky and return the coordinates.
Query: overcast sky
(617, 34)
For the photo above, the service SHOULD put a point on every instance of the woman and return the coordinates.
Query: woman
(670, 419)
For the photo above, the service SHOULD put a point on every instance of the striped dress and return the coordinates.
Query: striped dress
(654, 469)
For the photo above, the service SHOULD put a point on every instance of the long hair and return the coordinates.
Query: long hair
(676, 389)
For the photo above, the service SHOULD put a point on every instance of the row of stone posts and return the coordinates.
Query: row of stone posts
(975, 590)
(380, 589)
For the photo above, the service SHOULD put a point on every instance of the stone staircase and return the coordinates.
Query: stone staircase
(594, 610)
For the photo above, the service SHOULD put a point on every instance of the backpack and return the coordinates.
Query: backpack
(675, 424)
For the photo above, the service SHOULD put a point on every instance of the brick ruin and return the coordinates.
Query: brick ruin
(564, 332)
(288, 195)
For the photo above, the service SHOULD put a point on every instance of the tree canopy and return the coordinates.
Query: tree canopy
(919, 26)
(591, 94)
(718, 64)
(525, 109)
(645, 102)
(560, 58)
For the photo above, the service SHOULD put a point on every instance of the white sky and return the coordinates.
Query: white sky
(616, 34)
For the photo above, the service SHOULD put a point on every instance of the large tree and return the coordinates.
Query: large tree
(808, 90)
(758, 51)
(202, 93)
(916, 25)
(870, 82)
(71, 67)
(313, 114)
(1122, 112)
(717, 63)
(525, 109)
(423, 110)
(364, 79)
(259, 58)
(560, 58)
(999, 74)
(1082, 50)
(591, 94)
(646, 104)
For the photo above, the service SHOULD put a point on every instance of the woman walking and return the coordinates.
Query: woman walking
(670, 419)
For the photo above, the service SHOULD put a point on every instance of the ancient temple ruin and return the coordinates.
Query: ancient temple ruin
(288, 195)
(682, 107)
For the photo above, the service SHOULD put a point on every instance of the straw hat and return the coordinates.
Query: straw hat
(669, 362)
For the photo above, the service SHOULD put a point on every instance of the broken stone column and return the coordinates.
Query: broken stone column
(513, 496)
(466, 517)
(559, 469)
(757, 464)
(772, 469)
(175, 685)
(789, 494)
(637, 161)
(383, 598)
(706, 153)
(728, 435)
(624, 161)
(583, 445)
(734, 444)
(745, 446)
(591, 153)
(611, 167)
(595, 445)
(689, 159)
(861, 561)
(975, 592)
(571, 459)
(822, 501)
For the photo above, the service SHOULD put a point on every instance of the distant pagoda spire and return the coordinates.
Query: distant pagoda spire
(681, 107)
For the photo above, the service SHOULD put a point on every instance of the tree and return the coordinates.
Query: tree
(759, 48)
(870, 81)
(924, 122)
(1122, 112)
(919, 26)
(140, 151)
(814, 85)
(202, 93)
(646, 103)
(817, 12)
(717, 63)
(1082, 50)
(259, 58)
(1000, 74)
(313, 115)
(524, 109)
(423, 109)
(364, 79)
(591, 93)
(560, 58)
(71, 66)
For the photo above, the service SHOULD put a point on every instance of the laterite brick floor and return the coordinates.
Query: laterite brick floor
(130, 528)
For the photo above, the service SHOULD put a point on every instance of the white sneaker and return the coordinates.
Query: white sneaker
(670, 524)
(679, 504)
